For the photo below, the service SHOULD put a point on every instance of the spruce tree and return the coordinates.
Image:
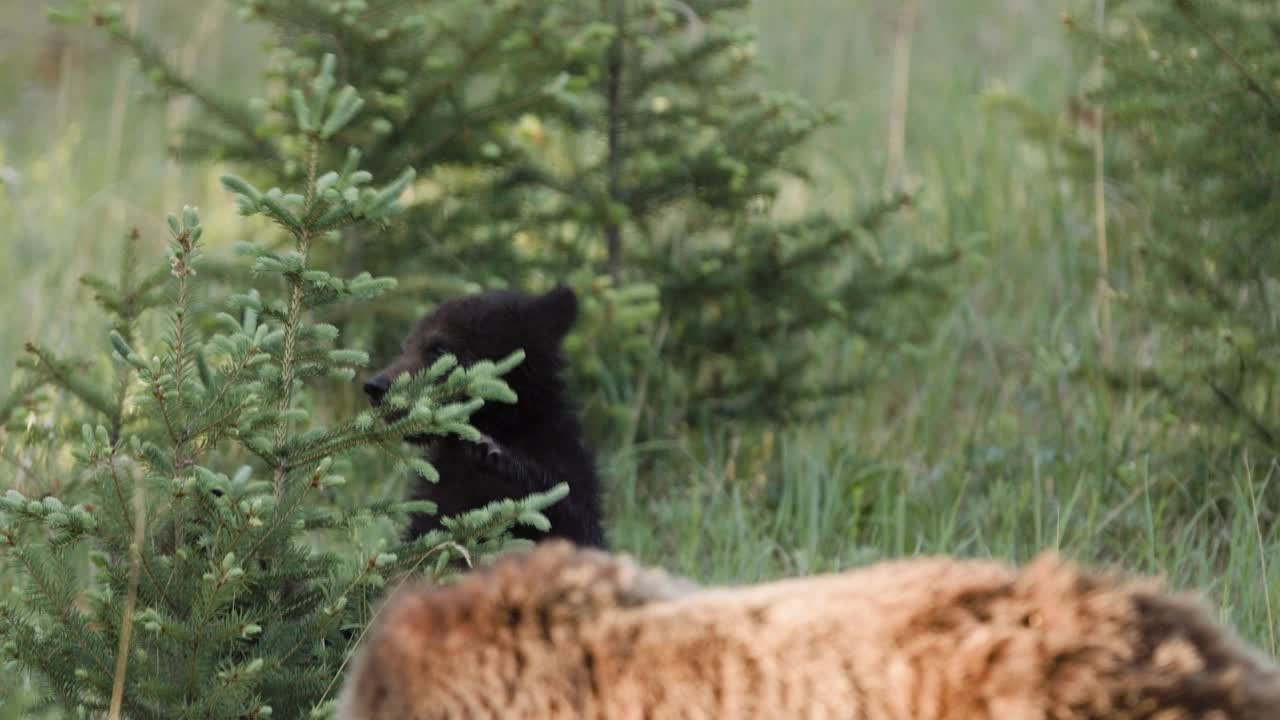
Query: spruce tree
(229, 571)
(1191, 106)
(621, 144)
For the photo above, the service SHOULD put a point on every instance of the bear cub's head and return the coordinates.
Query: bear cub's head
(491, 326)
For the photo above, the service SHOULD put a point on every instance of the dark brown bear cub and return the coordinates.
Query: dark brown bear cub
(529, 446)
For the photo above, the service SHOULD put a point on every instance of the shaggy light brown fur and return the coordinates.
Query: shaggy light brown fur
(563, 633)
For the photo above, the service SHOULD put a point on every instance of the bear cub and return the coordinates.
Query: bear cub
(528, 446)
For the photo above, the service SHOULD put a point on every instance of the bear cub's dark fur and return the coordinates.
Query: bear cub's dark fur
(529, 446)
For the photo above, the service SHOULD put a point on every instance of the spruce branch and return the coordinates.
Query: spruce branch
(296, 290)
(131, 600)
(1188, 11)
(67, 376)
(424, 102)
(169, 77)
(126, 510)
(1232, 401)
(21, 392)
(185, 254)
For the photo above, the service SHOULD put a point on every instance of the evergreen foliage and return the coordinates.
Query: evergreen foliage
(620, 145)
(1191, 93)
(228, 574)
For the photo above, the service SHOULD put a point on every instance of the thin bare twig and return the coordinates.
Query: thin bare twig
(613, 93)
(896, 163)
(131, 600)
(1103, 299)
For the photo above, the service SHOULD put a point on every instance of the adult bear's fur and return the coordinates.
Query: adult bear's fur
(562, 633)
(529, 446)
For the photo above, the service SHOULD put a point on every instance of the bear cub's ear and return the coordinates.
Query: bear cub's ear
(555, 311)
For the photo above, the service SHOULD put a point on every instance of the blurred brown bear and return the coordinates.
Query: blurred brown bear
(562, 633)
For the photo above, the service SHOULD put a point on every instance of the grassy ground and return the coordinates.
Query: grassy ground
(978, 443)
